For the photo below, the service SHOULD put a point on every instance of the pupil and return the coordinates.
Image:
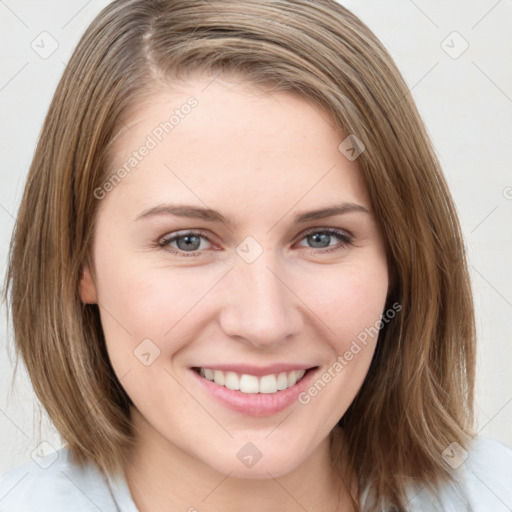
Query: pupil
(320, 238)
(191, 242)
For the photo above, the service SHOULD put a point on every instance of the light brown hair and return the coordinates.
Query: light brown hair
(418, 395)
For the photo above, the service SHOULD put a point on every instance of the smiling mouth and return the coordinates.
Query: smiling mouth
(245, 383)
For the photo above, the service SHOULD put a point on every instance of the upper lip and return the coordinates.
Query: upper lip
(257, 371)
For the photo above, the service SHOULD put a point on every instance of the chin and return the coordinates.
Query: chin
(261, 470)
(258, 460)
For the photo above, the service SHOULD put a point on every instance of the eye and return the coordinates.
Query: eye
(189, 243)
(186, 242)
(320, 239)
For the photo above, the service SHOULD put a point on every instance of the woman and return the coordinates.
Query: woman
(244, 274)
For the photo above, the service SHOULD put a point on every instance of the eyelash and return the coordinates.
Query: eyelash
(345, 239)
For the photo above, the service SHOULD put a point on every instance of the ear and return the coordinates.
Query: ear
(88, 292)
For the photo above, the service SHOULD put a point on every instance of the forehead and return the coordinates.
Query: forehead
(229, 142)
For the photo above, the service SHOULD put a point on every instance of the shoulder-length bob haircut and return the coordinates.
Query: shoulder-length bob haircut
(418, 395)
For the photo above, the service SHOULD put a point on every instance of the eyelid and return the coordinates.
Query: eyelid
(171, 237)
(339, 231)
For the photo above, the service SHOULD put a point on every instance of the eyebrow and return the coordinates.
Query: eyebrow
(209, 215)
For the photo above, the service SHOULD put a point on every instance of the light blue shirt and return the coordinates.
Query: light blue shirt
(48, 485)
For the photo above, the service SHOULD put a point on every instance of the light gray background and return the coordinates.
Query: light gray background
(465, 98)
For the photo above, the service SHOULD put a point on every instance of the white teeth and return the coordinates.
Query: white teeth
(252, 384)
(249, 384)
(232, 381)
(282, 381)
(218, 377)
(268, 384)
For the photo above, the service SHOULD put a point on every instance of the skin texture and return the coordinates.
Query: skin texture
(259, 158)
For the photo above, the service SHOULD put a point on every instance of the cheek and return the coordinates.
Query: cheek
(350, 303)
(352, 306)
(130, 305)
(138, 304)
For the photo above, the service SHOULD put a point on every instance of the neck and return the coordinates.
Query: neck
(162, 477)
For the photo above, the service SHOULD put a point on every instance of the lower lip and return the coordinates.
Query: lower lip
(256, 404)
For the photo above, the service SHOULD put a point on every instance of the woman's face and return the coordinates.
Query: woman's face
(208, 254)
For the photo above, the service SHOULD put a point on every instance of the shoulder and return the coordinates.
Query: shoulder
(482, 475)
(489, 474)
(55, 484)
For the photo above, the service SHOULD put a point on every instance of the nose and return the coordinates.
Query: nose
(259, 305)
